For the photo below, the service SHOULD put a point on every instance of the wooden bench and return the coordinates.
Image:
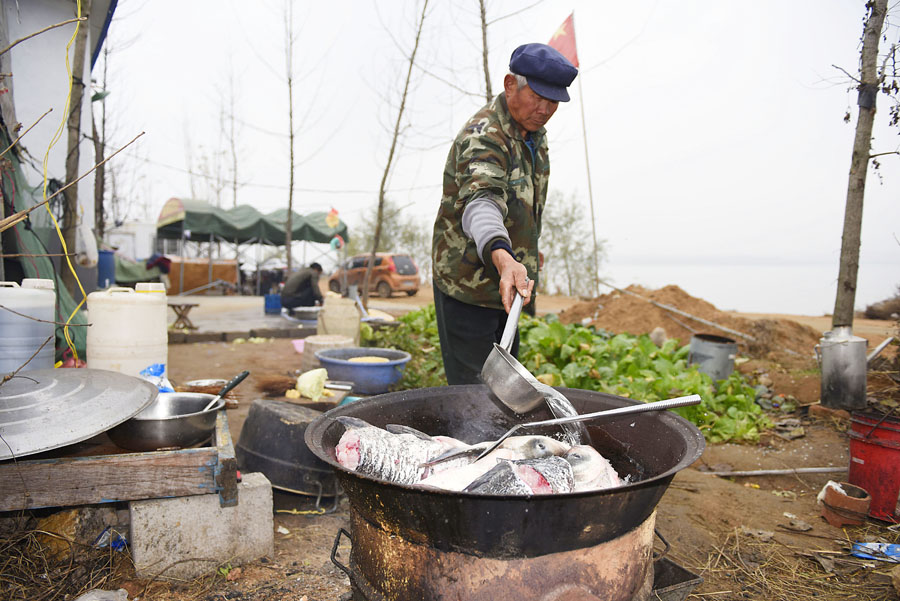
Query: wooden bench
(99, 472)
(182, 309)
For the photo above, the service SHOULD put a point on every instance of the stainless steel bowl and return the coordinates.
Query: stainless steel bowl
(174, 419)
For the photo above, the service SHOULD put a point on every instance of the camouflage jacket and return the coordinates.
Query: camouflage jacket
(489, 158)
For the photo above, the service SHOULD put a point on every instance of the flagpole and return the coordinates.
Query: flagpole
(587, 163)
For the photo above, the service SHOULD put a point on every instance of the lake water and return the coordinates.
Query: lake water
(799, 289)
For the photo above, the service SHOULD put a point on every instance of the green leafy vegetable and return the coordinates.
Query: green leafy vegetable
(578, 357)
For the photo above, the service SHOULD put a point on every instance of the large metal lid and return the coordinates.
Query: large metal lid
(45, 409)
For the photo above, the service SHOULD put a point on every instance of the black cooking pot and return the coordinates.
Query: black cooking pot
(648, 448)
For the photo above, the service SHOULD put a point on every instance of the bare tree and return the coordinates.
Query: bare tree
(289, 39)
(567, 259)
(420, 23)
(229, 127)
(869, 82)
(488, 94)
(407, 234)
(100, 149)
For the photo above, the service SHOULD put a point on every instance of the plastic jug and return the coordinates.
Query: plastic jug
(20, 336)
(128, 331)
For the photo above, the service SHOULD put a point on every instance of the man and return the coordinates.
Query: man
(485, 245)
(302, 288)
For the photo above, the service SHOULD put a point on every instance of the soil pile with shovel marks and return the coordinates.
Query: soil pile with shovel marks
(631, 311)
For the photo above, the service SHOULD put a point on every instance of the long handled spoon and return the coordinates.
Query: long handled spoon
(683, 401)
(225, 389)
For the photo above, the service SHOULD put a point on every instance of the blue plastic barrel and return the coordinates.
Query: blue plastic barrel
(106, 269)
(273, 304)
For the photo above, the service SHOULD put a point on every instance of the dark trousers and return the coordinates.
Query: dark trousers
(468, 333)
(305, 298)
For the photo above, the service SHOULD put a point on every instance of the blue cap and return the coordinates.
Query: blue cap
(547, 71)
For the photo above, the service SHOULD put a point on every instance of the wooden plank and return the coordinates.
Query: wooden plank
(103, 479)
(226, 466)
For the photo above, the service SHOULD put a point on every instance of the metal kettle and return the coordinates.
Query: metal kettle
(842, 361)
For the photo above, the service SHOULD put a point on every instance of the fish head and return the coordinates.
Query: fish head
(535, 447)
(587, 463)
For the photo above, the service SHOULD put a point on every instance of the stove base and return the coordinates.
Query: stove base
(671, 582)
(388, 568)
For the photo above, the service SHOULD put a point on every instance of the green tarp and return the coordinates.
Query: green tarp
(36, 264)
(130, 272)
(242, 224)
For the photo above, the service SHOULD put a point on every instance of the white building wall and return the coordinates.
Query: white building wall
(40, 82)
(135, 240)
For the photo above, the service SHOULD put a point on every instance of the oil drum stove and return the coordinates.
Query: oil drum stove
(414, 544)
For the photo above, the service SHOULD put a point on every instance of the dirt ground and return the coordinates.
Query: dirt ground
(757, 538)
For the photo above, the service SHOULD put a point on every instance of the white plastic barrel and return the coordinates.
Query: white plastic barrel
(128, 331)
(20, 336)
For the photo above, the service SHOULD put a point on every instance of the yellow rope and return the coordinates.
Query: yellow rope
(319, 511)
(46, 182)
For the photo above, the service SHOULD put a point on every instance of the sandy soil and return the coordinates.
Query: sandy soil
(702, 516)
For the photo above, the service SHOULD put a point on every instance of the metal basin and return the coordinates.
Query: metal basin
(175, 419)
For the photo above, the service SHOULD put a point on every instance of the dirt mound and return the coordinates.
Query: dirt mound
(631, 311)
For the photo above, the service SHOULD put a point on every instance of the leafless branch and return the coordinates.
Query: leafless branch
(12, 374)
(881, 154)
(844, 71)
(514, 13)
(26, 131)
(56, 323)
(15, 218)
(45, 29)
(10, 255)
(447, 82)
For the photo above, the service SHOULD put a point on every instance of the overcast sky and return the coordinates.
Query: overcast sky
(715, 128)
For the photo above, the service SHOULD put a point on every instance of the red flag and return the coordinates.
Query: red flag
(564, 40)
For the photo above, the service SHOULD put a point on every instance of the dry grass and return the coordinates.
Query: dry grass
(749, 566)
(28, 569)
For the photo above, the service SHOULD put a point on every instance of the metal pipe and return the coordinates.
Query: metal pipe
(878, 349)
(209, 256)
(181, 267)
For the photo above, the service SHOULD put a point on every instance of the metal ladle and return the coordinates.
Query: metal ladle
(682, 401)
(505, 376)
(226, 389)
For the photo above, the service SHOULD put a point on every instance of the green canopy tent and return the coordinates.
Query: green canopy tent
(198, 221)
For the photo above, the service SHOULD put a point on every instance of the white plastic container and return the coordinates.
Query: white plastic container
(128, 331)
(20, 336)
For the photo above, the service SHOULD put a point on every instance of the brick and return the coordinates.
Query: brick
(188, 537)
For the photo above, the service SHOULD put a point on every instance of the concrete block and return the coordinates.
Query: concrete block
(188, 537)
(203, 337)
(274, 332)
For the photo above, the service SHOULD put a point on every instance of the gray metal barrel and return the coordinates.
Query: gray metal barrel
(713, 355)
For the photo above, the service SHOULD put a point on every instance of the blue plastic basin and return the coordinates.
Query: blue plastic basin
(367, 378)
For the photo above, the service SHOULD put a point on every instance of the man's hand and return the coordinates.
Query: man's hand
(513, 276)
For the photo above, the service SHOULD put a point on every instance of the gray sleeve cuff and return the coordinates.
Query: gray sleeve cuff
(482, 221)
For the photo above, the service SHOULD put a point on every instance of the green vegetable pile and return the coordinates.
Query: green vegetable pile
(578, 357)
(634, 367)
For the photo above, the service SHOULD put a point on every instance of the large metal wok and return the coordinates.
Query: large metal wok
(649, 448)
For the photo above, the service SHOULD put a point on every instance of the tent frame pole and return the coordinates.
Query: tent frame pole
(181, 271)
